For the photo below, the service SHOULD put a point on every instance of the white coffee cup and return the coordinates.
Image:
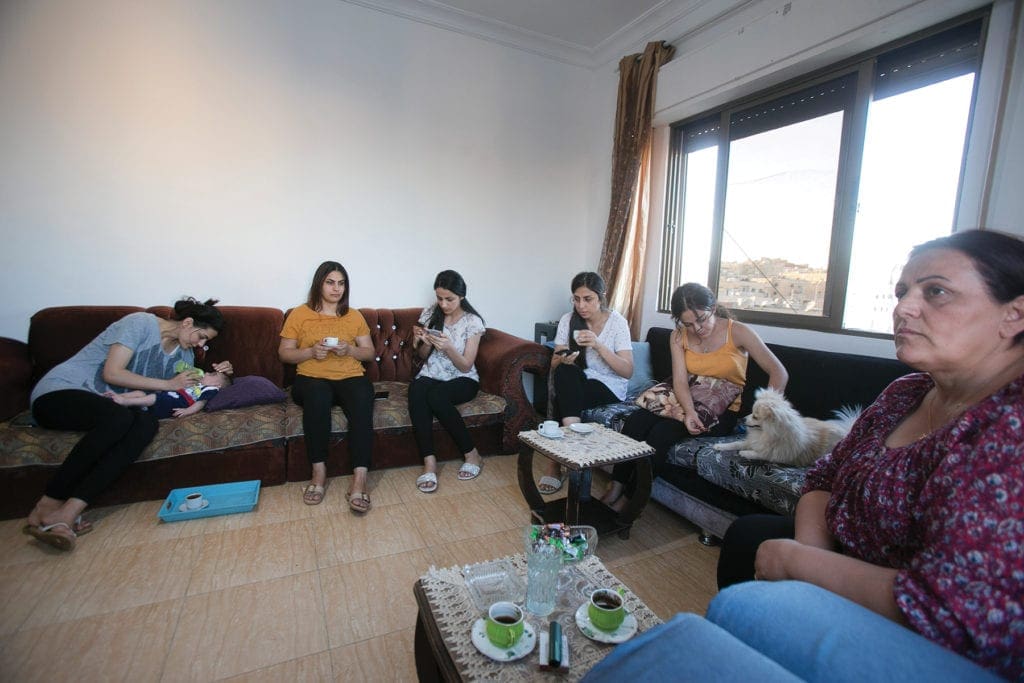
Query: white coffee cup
(330, 341)
(576, 335)
(194, 501)
(548, 427)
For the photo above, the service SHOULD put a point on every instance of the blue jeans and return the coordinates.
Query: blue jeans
(821, 636)
(753, 630)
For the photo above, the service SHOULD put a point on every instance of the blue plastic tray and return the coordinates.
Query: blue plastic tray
(225, 499)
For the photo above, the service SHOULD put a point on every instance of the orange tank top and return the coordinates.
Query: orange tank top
(728, 363)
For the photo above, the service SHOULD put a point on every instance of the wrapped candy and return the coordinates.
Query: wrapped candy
(572, 544)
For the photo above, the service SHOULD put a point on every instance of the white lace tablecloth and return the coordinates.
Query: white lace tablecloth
(454, 611)
(602, 446)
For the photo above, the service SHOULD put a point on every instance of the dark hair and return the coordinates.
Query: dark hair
(316, 300)
(594, 283)
(453, 282)
(695, 297)
(204, 315)
(997, 257)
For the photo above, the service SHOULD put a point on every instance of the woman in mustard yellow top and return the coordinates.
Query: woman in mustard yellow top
(708, 343)
(329, 342)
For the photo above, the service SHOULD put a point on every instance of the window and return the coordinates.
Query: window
(799, 206)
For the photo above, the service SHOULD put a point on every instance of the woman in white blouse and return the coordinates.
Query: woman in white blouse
(592, 362)
(447, 337)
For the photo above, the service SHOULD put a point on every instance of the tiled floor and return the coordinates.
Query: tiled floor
(288, 591)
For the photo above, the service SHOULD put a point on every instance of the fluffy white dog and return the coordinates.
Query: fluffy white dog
(776, 432)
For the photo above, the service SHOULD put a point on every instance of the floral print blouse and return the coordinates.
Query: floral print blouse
(438, 365)
(947, 511)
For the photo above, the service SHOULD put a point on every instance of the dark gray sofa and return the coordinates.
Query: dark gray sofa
(711, 488)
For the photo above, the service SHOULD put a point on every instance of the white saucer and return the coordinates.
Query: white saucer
(554, 435)
(581, 427)
(625, 631)
(500, 654)
(206, 503)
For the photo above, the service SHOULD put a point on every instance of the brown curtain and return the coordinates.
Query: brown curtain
(622, 256)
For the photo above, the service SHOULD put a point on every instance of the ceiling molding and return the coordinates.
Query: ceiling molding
(671, 21)
(467, 23)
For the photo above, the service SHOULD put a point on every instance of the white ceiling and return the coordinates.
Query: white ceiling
(582, 32)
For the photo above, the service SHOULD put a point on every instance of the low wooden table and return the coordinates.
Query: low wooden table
(445, 651)
(577, 453)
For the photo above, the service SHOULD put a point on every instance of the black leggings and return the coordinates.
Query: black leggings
(575, 392)
(661, 433)
(115, 438)
(739, 547)
(429, 398)
(355, 396)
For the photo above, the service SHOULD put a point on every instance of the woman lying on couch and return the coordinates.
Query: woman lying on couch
(918, 514)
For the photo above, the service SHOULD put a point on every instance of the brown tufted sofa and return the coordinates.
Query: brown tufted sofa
(258, 442)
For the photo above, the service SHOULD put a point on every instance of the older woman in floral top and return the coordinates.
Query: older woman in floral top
(919, 513)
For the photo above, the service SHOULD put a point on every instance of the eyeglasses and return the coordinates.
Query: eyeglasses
(698, 322)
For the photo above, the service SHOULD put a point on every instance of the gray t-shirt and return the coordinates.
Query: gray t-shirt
(140, 332)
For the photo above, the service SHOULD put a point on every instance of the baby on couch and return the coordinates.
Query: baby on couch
(165, 404)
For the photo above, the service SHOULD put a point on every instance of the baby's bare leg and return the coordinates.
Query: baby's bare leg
(132, 398)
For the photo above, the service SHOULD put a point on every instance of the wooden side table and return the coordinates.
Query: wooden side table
(578, 453)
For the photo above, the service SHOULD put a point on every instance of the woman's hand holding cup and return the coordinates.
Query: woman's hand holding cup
(342, 348)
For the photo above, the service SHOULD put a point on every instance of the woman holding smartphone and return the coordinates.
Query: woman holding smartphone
(592, 362)
(329, 342)
(447, 338)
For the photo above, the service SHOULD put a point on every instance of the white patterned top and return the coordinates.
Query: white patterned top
(438, 365)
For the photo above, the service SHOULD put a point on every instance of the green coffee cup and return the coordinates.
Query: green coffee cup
(606, 610)
(504, 624)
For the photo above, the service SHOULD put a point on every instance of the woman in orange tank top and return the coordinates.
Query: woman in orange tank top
(708, 343)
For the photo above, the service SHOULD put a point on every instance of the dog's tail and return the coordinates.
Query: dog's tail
(846, 416)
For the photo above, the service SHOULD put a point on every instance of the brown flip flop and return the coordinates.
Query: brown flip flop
(359, 502)
(313, 494)
(47, 535)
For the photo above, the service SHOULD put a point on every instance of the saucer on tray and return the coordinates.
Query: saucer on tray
(206, 503)
(581, 427)
(625, 631)
(500, 654)
(558, 434)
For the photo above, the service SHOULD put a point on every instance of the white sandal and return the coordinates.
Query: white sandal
(469, 471)
(548, 485)
(427, 482)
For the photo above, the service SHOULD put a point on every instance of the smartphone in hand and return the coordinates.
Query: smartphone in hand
(563, 352)
(435, 333)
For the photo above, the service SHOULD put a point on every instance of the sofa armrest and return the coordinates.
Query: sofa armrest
(501, 362)
(15, 377)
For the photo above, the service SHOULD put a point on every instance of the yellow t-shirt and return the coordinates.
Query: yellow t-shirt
(307, 327)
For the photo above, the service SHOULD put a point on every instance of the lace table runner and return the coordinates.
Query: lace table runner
(454, 612)
(602, 446)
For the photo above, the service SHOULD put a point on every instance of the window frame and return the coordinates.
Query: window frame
(847, 180)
